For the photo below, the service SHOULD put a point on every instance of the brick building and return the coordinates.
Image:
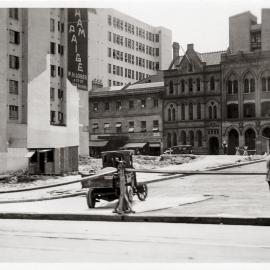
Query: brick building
(246, 84)
(192, 101)
(127, 117)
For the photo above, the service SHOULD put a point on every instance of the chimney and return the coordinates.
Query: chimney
(176, 48)
(190, 46)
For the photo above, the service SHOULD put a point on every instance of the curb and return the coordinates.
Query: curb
(262, 221)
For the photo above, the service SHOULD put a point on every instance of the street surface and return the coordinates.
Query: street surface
(81, 241)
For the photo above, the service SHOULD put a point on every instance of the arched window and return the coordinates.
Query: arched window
(191, 137)
(199, 138)
(169, 115)
(249, 83)
(215, 112)
(183, 137)
(229, 87)
(232, 85)
(174, 139)
(199, 114)
(190, 111)
(210, 112)
(169, 140)
(183, 112)
(171, 87)
(265, 81)
(235, 86)
(173, 114)
(212, 83)
(198, 83)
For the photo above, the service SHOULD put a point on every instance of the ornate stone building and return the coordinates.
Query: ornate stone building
(192, 101)
(246, 84)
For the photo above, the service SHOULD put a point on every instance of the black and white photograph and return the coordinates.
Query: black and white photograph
(135, 134)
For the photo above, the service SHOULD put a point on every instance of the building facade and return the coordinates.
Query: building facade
(246, 84)
(123, 49)
(39, 106)
(127, 117)
(192, 101)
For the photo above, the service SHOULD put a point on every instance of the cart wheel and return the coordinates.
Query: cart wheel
(130, 194)
(142, 191)
(91, 200)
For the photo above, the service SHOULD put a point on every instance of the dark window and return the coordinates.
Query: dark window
(246, 86)
(232, 111)
(169, 140)
(215, 112)
(13, 112)
(183, 137)
(155, 100)
(229, 87)
(265, 109)
(14, 37)
(190, 67)
(252, 85)
(174, 139)
(173, 114)
(62, 27)
(60, 94)
(13, 13)
(199, 114)
(198, 82)
(235, 86)
(95, 106)
(131, 104)
(212, 83)
(263, 84)
(50, 156)
(191, 137)
(60, 117)
(157, 37)
(52, 25)
(13, 87)
(14, 62)
(118, 105)
(58, 26)
(249, 110)
(210, 112)
(107, 106)
(118, 127)
(169, 115)
(53, 70)
(157, 51)
(183, 112)
(53, 48)
(190, 85)
(171, 87)
(52, 93)
(143, 103)
(143, 126)
(190, 110)
(182, 86)
(52, 116)
(131, 126)
(109, 68)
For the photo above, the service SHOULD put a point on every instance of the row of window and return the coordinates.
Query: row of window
(249, 85)
(60, 118)
(172, 139)
(53, 48)
(131, 44)
(114, 83)
(60, 94)
(107, 128)
(129, 58)
(129, 73)
(212, 112)
(249, 110)
(141, 103)
(60, 71)
(60, 26)
(191, 85)
(130, 28)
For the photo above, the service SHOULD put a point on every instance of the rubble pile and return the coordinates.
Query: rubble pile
(89, 164)
(20, 176)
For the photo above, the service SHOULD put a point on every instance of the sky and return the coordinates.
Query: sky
(205, 23)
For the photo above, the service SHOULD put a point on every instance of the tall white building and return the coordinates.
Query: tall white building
(122, 49)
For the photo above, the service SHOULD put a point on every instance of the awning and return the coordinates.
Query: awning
(98, 143)
(106, 125)
(44, 150)
(156, 144)
(118, 125)
(131, 130)
(94, 126)
(156, 129)
(29, 154)
(134, 145)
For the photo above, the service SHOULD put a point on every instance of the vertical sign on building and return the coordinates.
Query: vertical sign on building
(77, 47)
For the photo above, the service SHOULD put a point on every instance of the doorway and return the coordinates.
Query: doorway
(250, 139)
(233, 142)
(213, 146)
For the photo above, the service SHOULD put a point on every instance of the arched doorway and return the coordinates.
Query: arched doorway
(233, 141)
(213, 146)
(266, 134)
(250, 139)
